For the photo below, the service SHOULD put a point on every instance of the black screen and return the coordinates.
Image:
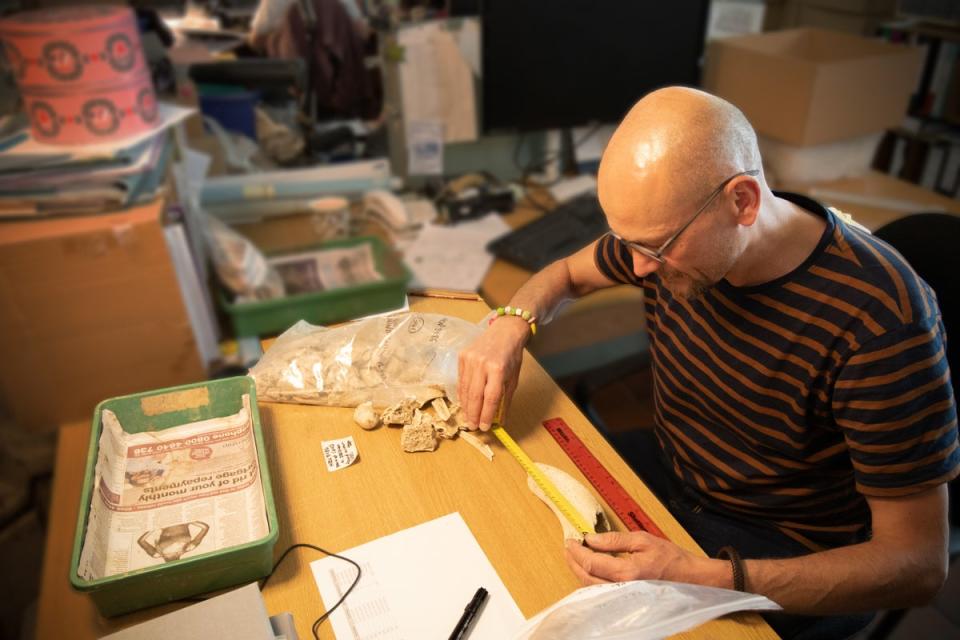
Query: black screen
(564, 63)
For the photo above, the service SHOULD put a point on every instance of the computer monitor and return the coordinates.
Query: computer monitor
(565, 63)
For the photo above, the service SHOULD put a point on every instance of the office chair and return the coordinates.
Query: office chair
(931, 244)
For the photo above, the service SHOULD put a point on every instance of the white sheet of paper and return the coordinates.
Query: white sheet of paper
(415, 584)
(453, 257)
(169, 115)
(468, 40)
(436, 81)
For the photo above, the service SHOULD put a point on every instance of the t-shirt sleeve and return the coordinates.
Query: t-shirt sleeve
(894, 401)
(614, 260)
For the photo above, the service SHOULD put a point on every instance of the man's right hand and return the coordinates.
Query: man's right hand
(489, 369)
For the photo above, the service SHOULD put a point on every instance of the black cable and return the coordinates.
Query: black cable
(322, 618)
(276, 564)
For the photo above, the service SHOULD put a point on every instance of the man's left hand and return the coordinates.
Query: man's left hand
(642, 557)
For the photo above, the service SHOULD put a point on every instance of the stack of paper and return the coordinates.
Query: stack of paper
(453, 256)
(38, 179)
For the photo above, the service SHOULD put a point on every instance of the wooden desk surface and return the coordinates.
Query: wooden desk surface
(385, 491)
(875, 198)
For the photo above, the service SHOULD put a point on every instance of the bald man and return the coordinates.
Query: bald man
(804, 411)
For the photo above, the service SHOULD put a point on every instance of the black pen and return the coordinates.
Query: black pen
(469, 613)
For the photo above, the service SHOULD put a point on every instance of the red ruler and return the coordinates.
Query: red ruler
(606, 485)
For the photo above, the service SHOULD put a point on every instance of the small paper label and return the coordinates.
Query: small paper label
(425, 147)
(339, 453)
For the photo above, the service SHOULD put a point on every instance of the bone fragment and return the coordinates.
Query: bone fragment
(445, 429)
(400, 413)
(477, 443)
(365, 416)
(458, 417)
(427, 394)
(418, 435)
(440, 406)
(579, 497)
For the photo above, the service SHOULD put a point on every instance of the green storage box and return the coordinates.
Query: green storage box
(176, 579)
(326, 307)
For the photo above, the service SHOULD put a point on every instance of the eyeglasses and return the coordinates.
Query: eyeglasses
(657, 254)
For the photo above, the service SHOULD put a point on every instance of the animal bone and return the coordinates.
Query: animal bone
(446, 430)
(400, 413)
(440, 406)
(418, 435)
(365, 416)
(578, 496)
(456, 413)
(478, 444)
(427, 394)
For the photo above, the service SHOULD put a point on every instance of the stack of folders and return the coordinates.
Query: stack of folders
(39, 181)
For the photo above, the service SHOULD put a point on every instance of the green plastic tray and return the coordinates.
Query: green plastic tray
(325, 307)
(202, 573)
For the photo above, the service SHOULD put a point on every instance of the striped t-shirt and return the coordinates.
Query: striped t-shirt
(788, 402)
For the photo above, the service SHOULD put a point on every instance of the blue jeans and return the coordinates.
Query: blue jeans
(713, 530)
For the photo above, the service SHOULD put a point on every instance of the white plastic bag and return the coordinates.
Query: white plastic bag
(382, 359)
(240, 265)
(638, 610)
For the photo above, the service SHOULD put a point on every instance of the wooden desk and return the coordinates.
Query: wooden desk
(385, 491)
(875, 198)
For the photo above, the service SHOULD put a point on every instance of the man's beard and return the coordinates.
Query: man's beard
(684, 285)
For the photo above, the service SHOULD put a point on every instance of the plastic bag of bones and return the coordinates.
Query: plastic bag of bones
(404, 365)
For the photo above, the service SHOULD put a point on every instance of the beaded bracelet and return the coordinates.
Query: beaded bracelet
(517, 312)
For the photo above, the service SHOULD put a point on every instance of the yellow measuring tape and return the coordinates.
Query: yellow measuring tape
(548, 488)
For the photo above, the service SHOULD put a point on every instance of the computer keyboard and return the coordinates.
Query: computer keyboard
(560, 232)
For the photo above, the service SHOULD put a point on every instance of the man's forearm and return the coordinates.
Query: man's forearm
(546, 291)
(863, 577)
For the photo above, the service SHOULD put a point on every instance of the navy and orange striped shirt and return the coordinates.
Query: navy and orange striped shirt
(788, 402)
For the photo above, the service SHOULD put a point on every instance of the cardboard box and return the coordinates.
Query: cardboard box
(811, 86)
(91, 309)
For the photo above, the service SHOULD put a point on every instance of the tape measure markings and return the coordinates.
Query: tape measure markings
(542, 481)
(613, 493)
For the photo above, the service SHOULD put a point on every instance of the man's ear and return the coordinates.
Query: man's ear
(746, 197)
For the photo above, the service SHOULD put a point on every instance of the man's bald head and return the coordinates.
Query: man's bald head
(673, 146)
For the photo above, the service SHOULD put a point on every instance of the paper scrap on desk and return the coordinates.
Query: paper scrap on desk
(339, 454)
(453, 257)
(415, 584)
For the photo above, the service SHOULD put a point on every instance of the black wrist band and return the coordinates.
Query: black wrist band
(739, 575)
